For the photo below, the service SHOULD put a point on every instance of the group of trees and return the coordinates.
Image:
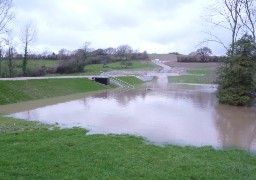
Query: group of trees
(70, 61)
(237, 75)
(200, 55)
(7, 44)
(74, 61)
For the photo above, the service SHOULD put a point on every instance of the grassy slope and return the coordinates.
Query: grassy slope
(17, 91)
(70, 154)
(131, 80)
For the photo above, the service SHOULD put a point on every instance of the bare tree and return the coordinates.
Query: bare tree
(10, 54)
(236, 16)
(204, 53)
(124, 51)
(84, 51)
(1, 55)
(248, 17)
(225, 14)
(6, 14)
(110, 51)
(64, 54)
(28, 36)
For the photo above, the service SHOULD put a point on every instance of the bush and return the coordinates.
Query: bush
(236, 75)
(70, 66)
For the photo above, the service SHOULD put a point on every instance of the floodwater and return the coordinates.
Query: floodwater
(162, 113)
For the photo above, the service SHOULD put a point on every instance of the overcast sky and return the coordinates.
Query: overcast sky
(157, 26)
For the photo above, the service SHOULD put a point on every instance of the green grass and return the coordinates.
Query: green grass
(17, 91)
(96, 68)
(130, 80)
(200, 71)
(194, 79)
(11, 125)
(32, 65)
(36, 153)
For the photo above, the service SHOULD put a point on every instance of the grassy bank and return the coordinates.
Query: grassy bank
(131, 80)
(36, 153)
(194, 79)
(17, 91)
(195, 76)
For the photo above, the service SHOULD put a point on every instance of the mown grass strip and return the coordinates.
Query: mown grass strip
(200, 71)
(17, 91)
(130, 80)
(193, 79)
(70, 154)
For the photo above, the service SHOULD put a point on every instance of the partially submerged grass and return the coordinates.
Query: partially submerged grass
(195, 76)
(17, 91)
(130, 80)
(200, 71)
(194, 79)
(11, 125)
(70, 154)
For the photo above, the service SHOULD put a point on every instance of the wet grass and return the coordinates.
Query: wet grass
(18, 91)
(195, 76)
(200, 71)
(37, 153)
(131, 80)
(194, 79)
(11, 125)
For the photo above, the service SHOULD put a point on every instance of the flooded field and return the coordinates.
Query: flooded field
(162, 113)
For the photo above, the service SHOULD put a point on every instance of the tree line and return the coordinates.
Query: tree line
(69, 61)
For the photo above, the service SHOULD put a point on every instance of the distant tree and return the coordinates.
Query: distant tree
(204, 53)
(84, 51)
(124, 51)
(110, 51)
(6, 14)
(10, 54)
(192, 54)
(63, 54)
(175, 53)
(237, 75)
(1, 56)
(27, 37)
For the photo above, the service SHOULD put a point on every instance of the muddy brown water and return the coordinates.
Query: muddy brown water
(162, 113)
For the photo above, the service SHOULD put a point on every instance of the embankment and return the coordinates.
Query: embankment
(18, 91)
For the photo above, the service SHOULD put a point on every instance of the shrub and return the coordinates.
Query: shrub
(70, 66)
(237, 75)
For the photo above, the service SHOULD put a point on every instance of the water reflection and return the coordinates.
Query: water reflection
(181, 114)
(237, 126)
